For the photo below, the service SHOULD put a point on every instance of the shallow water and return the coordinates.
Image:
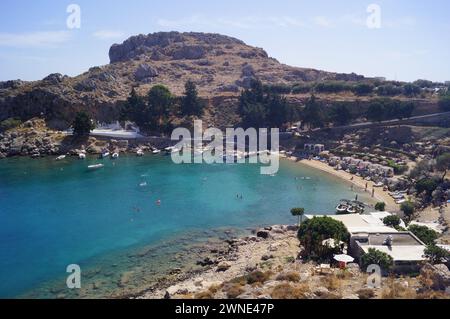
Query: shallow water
(56, 213)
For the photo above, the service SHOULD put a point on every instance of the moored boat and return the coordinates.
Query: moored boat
(95, 167)
(115, 156)
(60, 158)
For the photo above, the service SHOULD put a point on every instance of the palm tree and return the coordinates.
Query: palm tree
(299, 212)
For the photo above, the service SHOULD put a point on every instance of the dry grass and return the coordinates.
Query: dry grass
(332, 282)
(233, 290)
(258, 277)
(289, 291)
(394, 290)
(366, 293)
(289, 276)
(204, 295)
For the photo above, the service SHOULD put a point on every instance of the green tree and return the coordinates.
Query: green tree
(436, 255)
(427, 185)
(134, 109)
(341, 114)
(392, 221)
(190, 103)
(82, 125)
(376, 257)
(159, 107)
(443, 163)
(380, 206)
(375, 112)
(408, 209)
(428, 236)
(363, 89)
(444, 103)
(315, 231)
(299, 212)
(313, 113)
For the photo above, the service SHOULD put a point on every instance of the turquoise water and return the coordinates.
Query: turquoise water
(56, 213)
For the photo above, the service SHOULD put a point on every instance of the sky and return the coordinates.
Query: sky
(405, 40)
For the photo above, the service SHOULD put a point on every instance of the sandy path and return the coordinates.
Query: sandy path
(380, 195)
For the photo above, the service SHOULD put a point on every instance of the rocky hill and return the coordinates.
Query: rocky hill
(220, 66)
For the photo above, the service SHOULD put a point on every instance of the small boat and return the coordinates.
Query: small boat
(115, 156)
(342, 208)
(105, 155)
(82, 156)
(96, 166)
(140, 153)
(351, 210)
(379, 184)
(156, 151)
(60, 158)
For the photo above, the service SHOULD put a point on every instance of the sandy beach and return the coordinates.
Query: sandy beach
(379, 195)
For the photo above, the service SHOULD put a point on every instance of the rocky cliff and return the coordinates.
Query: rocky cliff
(219, 65)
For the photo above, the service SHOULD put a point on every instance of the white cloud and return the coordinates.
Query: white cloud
(34, 39)
(322, 21)
(108, 34)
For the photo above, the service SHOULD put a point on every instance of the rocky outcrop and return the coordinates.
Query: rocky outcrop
(145, 72)
(438, 274)
(219, 65)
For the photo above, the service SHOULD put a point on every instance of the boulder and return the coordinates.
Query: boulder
(189, 52)
(145, 71)
(439, 274)
(248, 70)
(265, 234)
(223, 266)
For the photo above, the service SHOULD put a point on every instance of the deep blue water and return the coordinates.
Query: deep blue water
(53, 214)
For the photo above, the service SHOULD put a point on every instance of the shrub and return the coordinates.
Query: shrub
(376, 257)
(380, 206)
(366, 293)
(331, 282)
(428, 236)
(233, 290)
(9, 124)
(204, 295)
(288, 291)
(392, 221)
(363, 89)
(408, 209)
(258, 277)
(436, 254)
(289, 276)
(444, 103)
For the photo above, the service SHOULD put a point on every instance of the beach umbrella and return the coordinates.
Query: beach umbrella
(344, 258)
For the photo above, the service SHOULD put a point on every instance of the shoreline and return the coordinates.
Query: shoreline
(379, 195)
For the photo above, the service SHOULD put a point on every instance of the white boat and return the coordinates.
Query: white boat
(351, 210)
(342, 208)
(82, 156)
(379, 184)
(115, 156)
(105, 155)
(140, 153)
(60, 158)
(96, 166)
(156, 151)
